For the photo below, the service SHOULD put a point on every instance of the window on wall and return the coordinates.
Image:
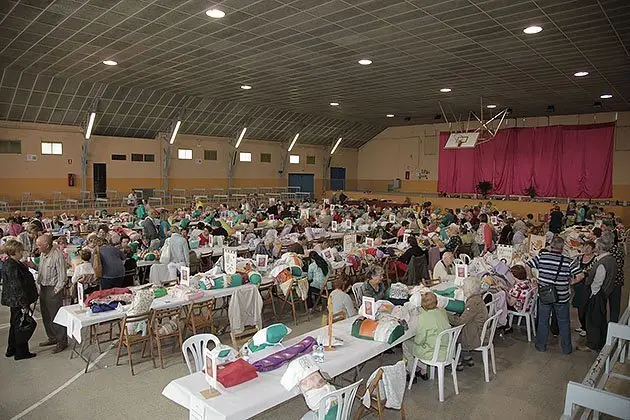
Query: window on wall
(245, 157)
(137, 157)
(209, 155)
(265, 157)
(184, 154)
(119, 157)
(52, 148)
(11, 146)
(310, 160)
(149, 158)
(294, 159)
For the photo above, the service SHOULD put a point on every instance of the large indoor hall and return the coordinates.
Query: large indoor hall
(314, 209)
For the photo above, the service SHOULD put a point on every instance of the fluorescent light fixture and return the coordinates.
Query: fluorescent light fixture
(532, 30)
(88, 132)
(334, 104)
(175, 130)
(246, 87)
(606, 96)
(336, 145)
(491, 106)
(390, 115)
(581, 74)
(445, 90)
(215, 13)
(110, 63)
(293, 142)
(365, 62)
(240, 137)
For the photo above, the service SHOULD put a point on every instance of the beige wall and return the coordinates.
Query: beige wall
(49, 173)
(415, 148)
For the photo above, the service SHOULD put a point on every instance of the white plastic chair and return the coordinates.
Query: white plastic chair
(465, 258)
(528, 314)
(195, 345)
(345, 400)
(492, 305)
(452, 356)
(458, 261)
(487, 343)
(357, 291)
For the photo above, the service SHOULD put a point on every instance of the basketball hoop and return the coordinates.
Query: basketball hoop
(465, 138)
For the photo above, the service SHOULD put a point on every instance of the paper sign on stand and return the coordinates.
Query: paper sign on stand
(348, 223)
(48, 225)
(63, 217)
(536, 244)
(369, 307)
(328, 254)
(262, 260)
(68, 235)
(333, 226)
(349, 241)
(97, 214)
(405, 238)
(220, 240)
(505, 253)
(392, 218)
(80, 294)
(598, 223)
(229, 260)
(461, 272)
(210, 367)
(304, 214)
(369, 242)
(239, 237)
(184, 279)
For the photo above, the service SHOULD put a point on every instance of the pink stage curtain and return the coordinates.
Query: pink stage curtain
(559, 161)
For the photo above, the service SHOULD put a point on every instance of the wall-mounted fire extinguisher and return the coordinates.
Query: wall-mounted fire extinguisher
(71, 180)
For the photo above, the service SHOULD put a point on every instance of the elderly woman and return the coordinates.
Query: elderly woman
(473, 318)
(431, 322)
(581, 292)
(317, 271)
(112, 261)
(373, 286)
(18, 293)
(454, 240)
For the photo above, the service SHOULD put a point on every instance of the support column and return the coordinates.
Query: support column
(84, 150)
(165, 167)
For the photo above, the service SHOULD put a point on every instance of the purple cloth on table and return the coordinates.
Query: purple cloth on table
(278, 359)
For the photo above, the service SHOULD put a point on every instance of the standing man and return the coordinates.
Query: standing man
(614, 300)
(51, 278)
(555, 269)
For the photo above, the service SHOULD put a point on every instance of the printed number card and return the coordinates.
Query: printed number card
(229, 260)
(392, 218)
(348, 223)
(184, 273)
(505, 253)
(369, 242)
(239, 236)
(333, 226)
(328, 254)
(369, 306)
(63, 217)
(210, 367)
(80, 296)
(349, 241)
(461, 271)
(405, 239)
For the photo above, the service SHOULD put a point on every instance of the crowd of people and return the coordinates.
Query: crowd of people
(592, 282)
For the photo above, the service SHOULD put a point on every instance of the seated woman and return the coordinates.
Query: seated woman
(373, 286)
(414, 250)
(516, 296)
(473, 318)
(431, 322)
(204, 236)
(341, 301)
(454, 240)
(317, 271)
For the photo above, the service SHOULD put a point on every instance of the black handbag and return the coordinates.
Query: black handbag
(27, 326)
(548, 294)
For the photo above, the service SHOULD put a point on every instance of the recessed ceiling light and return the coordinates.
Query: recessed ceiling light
(491, 106)
(215, 13)
(445, 90)
(532, 30)
(390, 115)
(246, 87)
(334, 104)
(365, 62)
(606, 96)
(581, 74)
(110, 63)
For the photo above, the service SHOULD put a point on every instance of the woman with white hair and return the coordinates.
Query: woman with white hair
(473, 318)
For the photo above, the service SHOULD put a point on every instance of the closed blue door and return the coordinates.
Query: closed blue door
(306, 182)
(337, 179)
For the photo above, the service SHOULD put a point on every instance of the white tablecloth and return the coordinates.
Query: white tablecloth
(260, 394)
(209, 251)
(75, 318)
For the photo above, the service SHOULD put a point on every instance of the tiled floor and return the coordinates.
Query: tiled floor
(528, 384)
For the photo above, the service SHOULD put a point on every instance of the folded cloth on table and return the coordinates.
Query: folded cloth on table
(104, 293)
(278, 359)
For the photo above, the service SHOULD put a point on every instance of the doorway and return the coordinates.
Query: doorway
(100, 180)
(337, 179)
(306, 182)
